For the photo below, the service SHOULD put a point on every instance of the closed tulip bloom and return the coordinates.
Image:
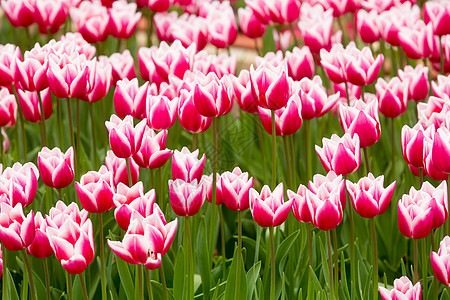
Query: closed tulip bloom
(274, 58)
(369, 197)
(123, 19)
(186, 198)
(8, 108)
(412, 145)
(96, 191)
(416, 40)
(73, 245)
(260, 9)
(122, 66)
(392, 97)
(186, 165)
(270, 85)
(433, 112)
(325, 209)
(60, 213)
(8, 55)
(333, 63)
(153, 153)
(130, 99)
(161, 112)
(212, 96)
(442, 86)
(299, 205)
(250, 25)
(146, 241)
(316, 26)
(329, 184)
(288, 119)
(391, 21)
(92, 20)
(300, 63)
(40, 247)
(50, 15)
(20, 13)
(31, 108)
(222, 27)
(118, 167)
(190, 30)
(417, 81)
(429, 168)
(284, 11)
(441, 150)
(31, 73)
(155, 5)
(341, 155)
(16, 230)
(23, 181)
(440, 208)
(56, 168)
(361, 119)
(367, 25)
(100, 78)
(416, 214)
(363, 68)
(403, 289)
(440, 262)
(438, 14)
(243, 92)
(190, 119)
(268, 208)
(207, 185)
(235, 189)
(124, 138)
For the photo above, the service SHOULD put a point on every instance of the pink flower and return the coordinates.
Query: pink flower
(122, 66)
(361, 67)
(260, 9)
(50, 15)
(153, 153)
(367, 25)
(341, 155)
(118, 167)
(440, 262)
(429, 168)
(329, 184)
(440, 207)
(417, 41)
(31, 108)
(189, 29)
(334, 62)
(416, 80)
(403, 289)
(92, 20)
(186, 165)
(243, 92)
(190, 119)
(19, 12)
(155, 5)
(250, 25)
(369, 197)
(299, 204)
(441, 150)
(161, 112)
(100, 78)
(40, 247)
(22, 181)
(60, 213)
(361, 119)
(412, 145)
(316, 26)
(391, 21)
(16, 230)
(56, 168)
(268, 208)
(433, 112)
(438, 14)
(186, 198)
(235, 188)
(123, 19)
(8, 55)
(124, 138)
(392, 97)
(284, 11)
(300, 63)
(130, 99)
(222, 27)
(442, 87)
(95, 190)
(8, 108)
(325, 209)
(31, 73)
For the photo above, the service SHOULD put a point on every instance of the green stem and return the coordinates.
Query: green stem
(375, 258)
(441, 56)
(288, 162)
(345, 38)
(274, 147)
(140, 284)
(130, 181)
(72, 137)
(352, 246)
(47, 278)
(44, 130)
(30, 274)
(83, 287)
(310, 262)
(59, 119)
(194, 141)
(330, 264)
(416, 261)
(347, 93)
(258, 52)
(448, 200)
(222, 236)
(149, 284)
(291, 26)
(78, 149)
(190, 289)
(2, 156)
(150, 29)
(102, 257)
(366, 160)
(163, 282)
(420, 177)
(272, 264)
(292, 153)
(4, 271)
(22, 125)
(393, 147)
(362, 94)
(160, 191)
(238, 283)
(69, 286)
(336, 268)
(308, 149)
(261, 146)
(94, 140)
(102, 109)
(425, 259)
(394, 67)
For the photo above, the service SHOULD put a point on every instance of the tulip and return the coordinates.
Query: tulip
(433, 112)
(243, 92)
(391, 21)
(438, 14)
(31, 73)
(123, 19)
(8, 108)
(40, 247)
(329, 184)
(20, 13)
(92, 20)
(118, 167)
(316, 26)
(23, 181)
(186, 165)
(361, 119)
(415, 40)
(403, 289)
(50, 15)
(146, 241)
(369, 197)
(124, 138)
(440, 262)
(56, 168)
(31, 108)
(442, 87)
(429, 168)
(60, 213)
(299, 204)
(268, 208)
(96, 190)
(326, 212)
(155, 5)
(100, 78)
(222, 27)
(392, 97)
(190, 30)
(122, 66)
(235, 188)
(260, 9)
(250, 25)
(73, 42)
(153, 153)
(341, 155)
(441, 150)
(440, 208)
(161, 112)
(417, 81)
(186, 198)
(16, 230)
(190, 119)
(367, 26)
(362, 68)
(130, 99)
(412, 145)
(8, 55)
(300, 63)
(208, 184)
(333, 63)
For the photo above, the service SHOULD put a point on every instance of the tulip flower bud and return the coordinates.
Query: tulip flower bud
(124, 138)
(31, 108)
(56, 168)
(8, 108)
(300, 63)
(40, 247)
(235, 189)
(118, 167)
(161, 112)
(16, 230)
(23, 181)
(403, 289)
(416, 80)
(186, 198)
(190, 119)
(186, 165)
(130, 99)
(250, 25)
(123, 19)
(392, 97)
(153, 153)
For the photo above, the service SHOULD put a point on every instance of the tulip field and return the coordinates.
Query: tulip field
(206, 149)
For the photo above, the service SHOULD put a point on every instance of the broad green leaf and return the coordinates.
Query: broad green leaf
(11, 292)
(157, 291)
(344, 284)
(325, 269)
(251, 277)
(283, 250)
(445, 295)
(179, 279)
(236, 281)
(126, 280)
(203, 262)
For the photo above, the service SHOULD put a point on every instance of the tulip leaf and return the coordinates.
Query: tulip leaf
(344, 285)
(204, 264)
(268, 40)
(315, 284)
(445, 295)
(11, 292)
(325, 269)
(126, 280)
(157, 291)
(251, 277)
(237, 273)
(179, 279)
(283, 250)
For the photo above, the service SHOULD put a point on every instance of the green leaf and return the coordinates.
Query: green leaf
(126, 280)
(268, 41)
(251, 277)
(11, 292)
(325, 270)
(315, 284)
(204, 264)
(283, 250)
(235, 277)
(445, 295)
(344, 284)
(179, 279)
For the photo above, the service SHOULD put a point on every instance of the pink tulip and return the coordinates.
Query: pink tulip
(340, 7)
(440, 262)
(16, 230)
(270, 85)
(341, 155)
(118, 167)
(433, 112)
(146, 240)
(438, 14)
(1, 263)
(268, 208)
(186, 198)
(6, 142)
(130, 99)
(391, 21)
(329, 184)
(92, 20)
(8, 108)
(50, 15)
(40, 247)
(207, 185)
(73, 245)
(361, 119)
(222, 27)
(122, 66)
(250, 25)
(416, 80)
(403, 289)
(235, 189)
(284, 11)
(361, 68)
(300, 63)
(186, 165)
(367, 26)
(412, 145)
(23, 181)
(189, 30)
(416, 214)
(74, 42)
(440, 208)
(8, 55)
(260, 9)
(161, 112)
(100, 78)
(442, 87)
(124, 138)
(392, 97)
(299, 204)
(31, 108)
(123, 19)
(333, 63)
(417, 40)
(243, 92)
(288, 119)
(96, 190)
(19, 12)
(316, 26)
(325, 209)
(56, 168)
(155, 5)
(31, 73)
(441, 150)
(429, 168)
(153, 153)
(60, 213)
(369, 197)
(190, 119)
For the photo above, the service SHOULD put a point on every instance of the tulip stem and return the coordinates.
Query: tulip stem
(187, 238)
(194, 141)
(330, 264)
(140, 272)
(362, 94)
(272, 263)
(237, 291)
(69, 286)
(352, 246)
(308, 149)
(30, 274)
(5, 269)
(160, 191)
(83, 287)
(375, 258)
(448, 193)
(72, 137)
(393, 147)
(394, 67)
(420, 177)
(293, 34)
(258, 52)
(425, 258)
(310, 244)
(94, 142)
(222, 235)
(163, 282)
(336, 269)
(366, 159)
(274, 149)
(22, 125)
(59, 119)
(292, 153)
(47, 278)
(288, 162)
(130, 182)
(347, 93)
(2, 155)
(150, 28)
(441, 56)
(261, 146)
(416, 261)
(149, 284)
(345, 38)
(102, 256)
(44, 130)
(78, 149)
